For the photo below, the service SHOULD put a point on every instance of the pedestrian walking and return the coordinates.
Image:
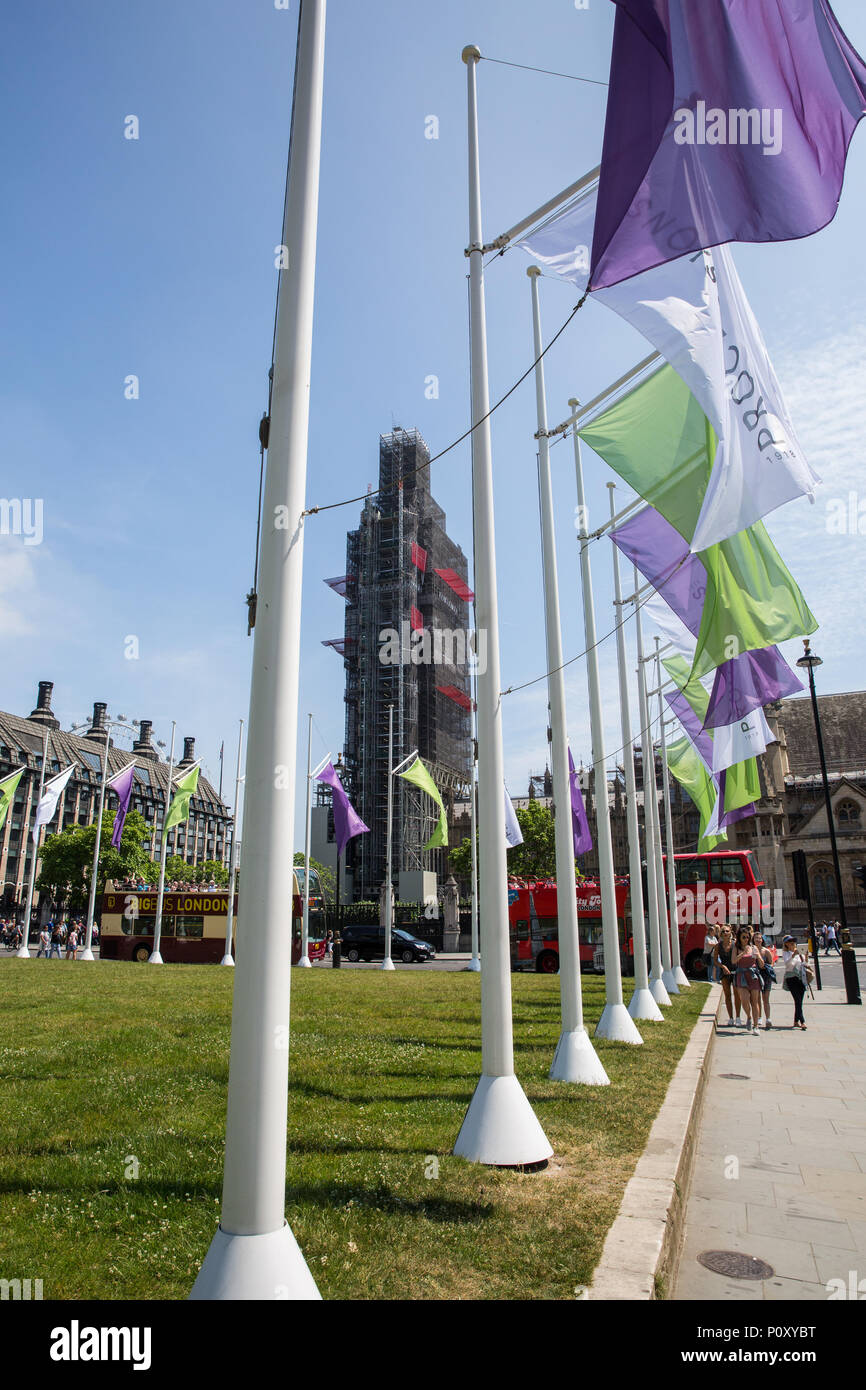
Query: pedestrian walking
(56, 940)
(44, 943)
(711, 941)
(796, 978)
(747, 963)
(725, 969)
(72, 943)
(832, 939)
(768, 974)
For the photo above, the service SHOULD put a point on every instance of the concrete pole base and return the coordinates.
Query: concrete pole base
(263, 1267)
(681, 977)
(155, 958)
(22, 953)
(474, 965)
(575, 1059)
(500, 1127)
(616, 1025)
(658, 992)
(669, 980)
(388, 964)
(305, 963)
(87, 955)
(226, 960)
(642, 1005)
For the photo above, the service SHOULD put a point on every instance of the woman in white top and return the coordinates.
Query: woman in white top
(795, 978)
(711, 941)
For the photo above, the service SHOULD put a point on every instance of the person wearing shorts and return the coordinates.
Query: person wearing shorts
(747, 963)
(725, 968)
(768, 957)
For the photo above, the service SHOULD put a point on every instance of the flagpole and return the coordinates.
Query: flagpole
(657, 986)
(228, 959)
(615, 1023)
(679, 974)
(668, 979)
(500, 1126)
(87, 953)
(387, 963)
(475, 963)
(304, 961)
(155, 957)
(22, 953)
(642, 1005)
(254, 1254)
(575, 1058)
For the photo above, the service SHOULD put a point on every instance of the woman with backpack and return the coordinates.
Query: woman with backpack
(796, 978)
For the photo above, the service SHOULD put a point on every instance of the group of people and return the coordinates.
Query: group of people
(828, 936)
(138, 885)
(746, 967)
(64, 938)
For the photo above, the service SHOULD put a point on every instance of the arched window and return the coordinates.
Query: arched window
(848, 813)
(823, 884)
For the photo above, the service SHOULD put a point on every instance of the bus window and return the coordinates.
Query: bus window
(754, 866)
(189, 926)
(522, 933)
(549, 928)
(691, 870)
(727, 870)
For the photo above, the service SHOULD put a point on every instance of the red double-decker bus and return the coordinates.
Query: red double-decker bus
(534, 925)
(722, 886)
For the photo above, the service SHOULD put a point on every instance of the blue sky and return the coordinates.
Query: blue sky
(155, 257)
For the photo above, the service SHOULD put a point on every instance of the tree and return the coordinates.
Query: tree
(535, 858)
(326, 875)
(67, 859)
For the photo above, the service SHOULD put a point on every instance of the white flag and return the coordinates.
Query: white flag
(695, 313)
(47, 807)
(734, 743)
(513, 835)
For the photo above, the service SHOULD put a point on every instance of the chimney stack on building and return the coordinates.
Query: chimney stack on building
(98, 728)
(143, 747)
(188, 752)
(43, 713)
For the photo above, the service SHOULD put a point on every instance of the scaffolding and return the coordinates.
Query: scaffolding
(395, 561)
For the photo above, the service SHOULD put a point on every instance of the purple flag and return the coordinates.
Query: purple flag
(347, 822)
(662, 556)
(122, 783)
(748, 681)
(692, 725)
(579, 823)
(725, 122)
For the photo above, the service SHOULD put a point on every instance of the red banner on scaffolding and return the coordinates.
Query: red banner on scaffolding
(416, 622)
(453, 580)
(419, 557)
(457, 696)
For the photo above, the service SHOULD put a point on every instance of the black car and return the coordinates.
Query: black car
(368, 943)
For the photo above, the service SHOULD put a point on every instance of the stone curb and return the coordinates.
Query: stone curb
(643, 1245)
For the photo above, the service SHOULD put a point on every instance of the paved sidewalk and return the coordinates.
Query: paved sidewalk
(780, 1166)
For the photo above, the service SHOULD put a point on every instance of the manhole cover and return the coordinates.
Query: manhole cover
(734, 1265)
(733, 1076)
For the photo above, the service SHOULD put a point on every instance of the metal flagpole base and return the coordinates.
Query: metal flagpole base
(226, 960)
(643, 1005)
(305, 963)
(575, 1059)
(616, 1025)
(261, 1267)
(681, 977)
(500, 1127)
(669, 980)
(474, 965)
(388, 964)
(658, 991)
(155, 958)
(87, 955)
(22, 953)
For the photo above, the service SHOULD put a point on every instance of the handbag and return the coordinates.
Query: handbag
(769, 973)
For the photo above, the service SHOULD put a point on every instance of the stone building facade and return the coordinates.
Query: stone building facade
(206, 835)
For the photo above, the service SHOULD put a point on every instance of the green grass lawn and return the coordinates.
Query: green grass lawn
(112, 1115)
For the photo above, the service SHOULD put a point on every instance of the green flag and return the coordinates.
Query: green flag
(8, 788)
(742, 785)
(420, 777)
(184, 791)
(688, 767)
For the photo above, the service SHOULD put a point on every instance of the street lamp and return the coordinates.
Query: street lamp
(849, 964)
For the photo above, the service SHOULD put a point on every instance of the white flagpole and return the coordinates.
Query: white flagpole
(657, 985)
(615, 1023)
(575, 1058)
(668, 980)
(155, 957)
(475, 962)
(87, 953)
(228, 959)
(387, 963)
(679, 974)
(22, 953)
(500, 1126)
(642, 1004)
(304, 961)
(254, 1254)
